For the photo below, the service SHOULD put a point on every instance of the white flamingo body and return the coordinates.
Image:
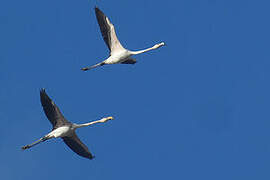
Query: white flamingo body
(118, 54)
(118, 57)
(60, 132)
(62, 128)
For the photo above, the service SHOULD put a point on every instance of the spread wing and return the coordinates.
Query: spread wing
(52, 111)
(77, 146)
(129, 61)
(108, 32)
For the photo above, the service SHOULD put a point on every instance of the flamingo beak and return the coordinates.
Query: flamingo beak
(110, 118)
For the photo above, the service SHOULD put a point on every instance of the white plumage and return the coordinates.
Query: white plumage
(118, 54)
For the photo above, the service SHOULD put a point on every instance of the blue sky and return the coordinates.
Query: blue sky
(197, 108)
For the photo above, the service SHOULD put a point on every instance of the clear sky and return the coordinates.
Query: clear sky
(197, 108)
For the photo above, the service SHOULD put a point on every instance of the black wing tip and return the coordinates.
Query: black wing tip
(44, 96)
(43, 91)
(91, 157)
(98, 11)
(96, 8)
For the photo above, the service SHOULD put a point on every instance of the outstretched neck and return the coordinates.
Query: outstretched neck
(83, 125)
(148, 49)
(94, 122)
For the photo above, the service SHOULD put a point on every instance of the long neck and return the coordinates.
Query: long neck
(94, 122)
(84, 125)
(148, 49)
